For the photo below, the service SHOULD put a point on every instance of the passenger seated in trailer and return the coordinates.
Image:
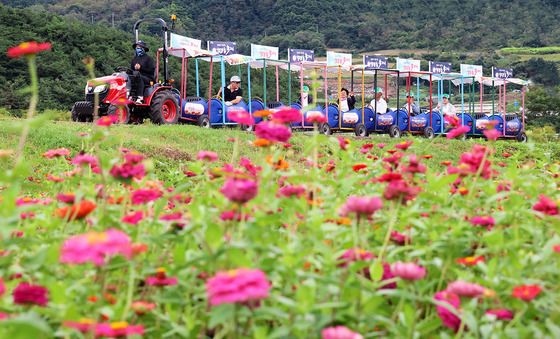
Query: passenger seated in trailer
(413, 105)
(306, 98)
(379, 104)
(445, 107)
(347, 100)
(232, 93)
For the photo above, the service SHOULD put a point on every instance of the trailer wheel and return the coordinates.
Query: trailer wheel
(325, 129)
(360, 130)
(247, 128)
(203, 121)
(429, 133)
(394, 131)
(522, 137)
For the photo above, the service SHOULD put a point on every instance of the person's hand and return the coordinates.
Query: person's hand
(137, 67)
(228, 103)
(351, 94)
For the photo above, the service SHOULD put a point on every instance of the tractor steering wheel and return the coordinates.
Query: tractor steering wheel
(123, 69)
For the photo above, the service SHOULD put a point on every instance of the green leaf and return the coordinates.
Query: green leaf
(221, 314)
(376, 270)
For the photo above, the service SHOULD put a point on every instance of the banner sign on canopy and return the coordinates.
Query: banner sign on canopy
(222, 47)
(408, 65)
(264, 52)
(375, 62)
(438, 67)
(502, 73)
(179, 41)
(301, 55)
(471, 70)
(339, 59)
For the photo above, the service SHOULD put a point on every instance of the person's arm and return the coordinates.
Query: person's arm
(150, 68)
(238, 98)
(452, 110)
(219, 92)
(351, 101)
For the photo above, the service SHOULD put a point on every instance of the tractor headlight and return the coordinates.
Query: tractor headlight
(88, 89)
(100, 88)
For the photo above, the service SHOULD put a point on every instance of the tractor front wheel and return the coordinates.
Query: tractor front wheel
(164, 108)
(122, 113)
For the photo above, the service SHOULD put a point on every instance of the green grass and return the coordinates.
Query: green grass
(173, 147)
(531, 50)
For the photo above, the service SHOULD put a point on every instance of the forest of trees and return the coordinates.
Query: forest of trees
(467, 31)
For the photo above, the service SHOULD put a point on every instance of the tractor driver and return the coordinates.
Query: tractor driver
(143, 68)
(232, 93)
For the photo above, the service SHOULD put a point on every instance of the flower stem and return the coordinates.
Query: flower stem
(130, 290)
(32, 106)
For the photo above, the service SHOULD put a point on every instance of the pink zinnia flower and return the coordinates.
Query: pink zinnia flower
(492, 134)
(59, 152)
(526, 292)
(546, 205)
(27, 294)
(315, 117)
(107, 120)
(237, 286)
(286, 115)
(451, 120)
(207, 156)
(354, 254)
(239, 190)
(400, 238)
(414, 166)
(339, 332)
(485, 221)
(143, 196)
(273, 131)
(343, 143)
(291, 191)
(95, 247)
(241, 117)
(404, 145)
(118, 329)
(133, 218)
(466, 289)
(161, 279)
(128, 171)
(448, 318)
(400, 190)
(457, 132)
(362, 206)
(2, 287)
(501, 313)
(408, 271)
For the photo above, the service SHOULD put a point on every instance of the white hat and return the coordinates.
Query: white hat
(235, 78)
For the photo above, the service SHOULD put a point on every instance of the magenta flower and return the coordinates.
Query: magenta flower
(361, 206)
(545, 205)
(143, 196)
(207, 156)
(118, 329)
(59, 152)
(492, 134)
(85, 159)
(241, 117)
(237, 286)
(501, 313)
(133, 218)
(291, 191)
(457, 132)
(286, 115)
(161, 279)
(95, 247)
(128, 171)
(273, 131)
(448, 318)
(315, 117)
(339, 332)
(465, 289)
(354, 254)
(2, 287)
(400, 238)
(484, 221)
(27, 294)
(239, 190)
(408, 271)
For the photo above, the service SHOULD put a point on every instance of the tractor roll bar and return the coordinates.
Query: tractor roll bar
(165, 30)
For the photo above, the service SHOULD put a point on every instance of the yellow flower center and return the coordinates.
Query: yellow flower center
(87, 321)
(232, 273)
(119, 325)
(96, 237)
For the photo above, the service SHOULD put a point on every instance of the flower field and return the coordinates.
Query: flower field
(271, 235)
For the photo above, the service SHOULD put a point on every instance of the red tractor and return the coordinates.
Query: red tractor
(161, 101)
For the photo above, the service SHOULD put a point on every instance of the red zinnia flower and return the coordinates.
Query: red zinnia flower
(470, 261)
(526, 292)
(359, 167)
(28, 48)
(25, 294)
(546, 206)
(286, 115)
(59, 152)
(404, 145)
(76, 211)
(107, 120)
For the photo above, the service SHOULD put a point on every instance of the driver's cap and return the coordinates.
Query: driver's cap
(235, 78)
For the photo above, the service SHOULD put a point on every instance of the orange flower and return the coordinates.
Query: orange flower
(28, 48)
(262, 143)
(262, 113)
(139, 248)
(427, 156)
(470, 261)
(463, 190)
(76, 211)
(279, 164)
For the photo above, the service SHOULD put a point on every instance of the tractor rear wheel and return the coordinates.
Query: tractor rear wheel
(122, 113)
(164, 108)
